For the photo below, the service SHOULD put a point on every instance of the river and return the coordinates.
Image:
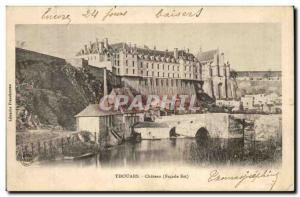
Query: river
(184, 151)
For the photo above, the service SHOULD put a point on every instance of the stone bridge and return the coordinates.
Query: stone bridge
(216, 125)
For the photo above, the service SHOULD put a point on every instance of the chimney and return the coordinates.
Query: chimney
(85, 49)
(105, 40)
(176, 53)
(124, 47)
(97, 43)
(222, 59)
(105, 82)
(216, 59)
(101, 46)
(187, 50)
(154, 47)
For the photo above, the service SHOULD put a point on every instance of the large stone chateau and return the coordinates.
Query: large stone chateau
(153, 71)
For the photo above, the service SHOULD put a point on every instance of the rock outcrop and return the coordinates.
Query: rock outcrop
(49, 92)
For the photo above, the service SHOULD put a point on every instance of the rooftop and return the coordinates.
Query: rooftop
(93, 110)
(207, 55)
(93, 48)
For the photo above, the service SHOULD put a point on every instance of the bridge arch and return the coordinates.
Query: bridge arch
(202, 135)
(172, 132)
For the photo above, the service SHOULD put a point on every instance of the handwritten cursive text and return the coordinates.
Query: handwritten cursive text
(215, 176)
(52, 14)
(176, 13)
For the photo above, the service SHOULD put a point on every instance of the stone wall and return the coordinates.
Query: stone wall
(160, 86)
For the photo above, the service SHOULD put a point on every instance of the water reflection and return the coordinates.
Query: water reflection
(207, 152)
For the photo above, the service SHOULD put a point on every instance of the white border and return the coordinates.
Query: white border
(4, 3)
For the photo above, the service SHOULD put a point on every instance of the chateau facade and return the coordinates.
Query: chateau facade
(153, 71)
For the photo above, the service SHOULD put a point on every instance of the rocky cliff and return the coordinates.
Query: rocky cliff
(49, 92)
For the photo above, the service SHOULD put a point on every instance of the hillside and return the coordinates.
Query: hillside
(49, 92)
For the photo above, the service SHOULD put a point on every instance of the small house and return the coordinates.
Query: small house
(93, 119)
(106, 123)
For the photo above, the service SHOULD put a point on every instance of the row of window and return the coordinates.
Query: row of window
(163, 82)
(158, 66)
(159, 74)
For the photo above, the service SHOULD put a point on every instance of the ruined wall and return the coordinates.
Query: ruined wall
(265, 127)
(38, 57)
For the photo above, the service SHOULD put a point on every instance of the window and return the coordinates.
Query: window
(133, 63)
(157, 66)
(147, 65)
(133, 71)
(141, 72)
(152, 73)
(126, 63)
(147, 73)
(141, 64)
(152, 65)
(163, 66)
(173, 75)
(173, 67)
(126, 70)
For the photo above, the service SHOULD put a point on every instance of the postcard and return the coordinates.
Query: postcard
(150, 98)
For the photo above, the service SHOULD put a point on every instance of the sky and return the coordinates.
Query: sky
(247, 46)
